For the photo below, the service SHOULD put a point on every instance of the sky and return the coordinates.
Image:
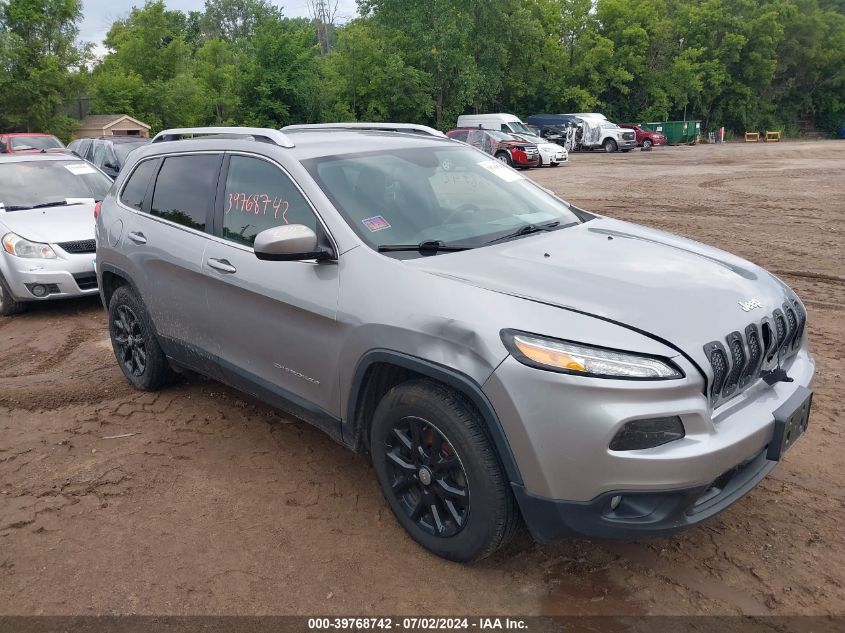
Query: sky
(100, 14)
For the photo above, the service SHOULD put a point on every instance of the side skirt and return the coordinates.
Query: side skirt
(218, 369)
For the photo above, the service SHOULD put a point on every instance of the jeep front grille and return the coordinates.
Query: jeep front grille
(737, 356)
(802, 320)
(739, 359)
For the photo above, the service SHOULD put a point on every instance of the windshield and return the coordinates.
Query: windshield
(519, 126)
(452, 195)
(20, 143)
(122, 150)
(24, 185)
(501, 136)
(531, 138)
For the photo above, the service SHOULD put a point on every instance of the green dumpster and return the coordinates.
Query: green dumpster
(677, 132)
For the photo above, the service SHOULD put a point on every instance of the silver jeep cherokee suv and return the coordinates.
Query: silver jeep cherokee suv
(502, 355)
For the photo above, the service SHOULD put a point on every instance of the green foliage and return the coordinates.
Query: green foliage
(745, 64)
(232, 20)
(279, 82)
(367, 78)
(38, 54)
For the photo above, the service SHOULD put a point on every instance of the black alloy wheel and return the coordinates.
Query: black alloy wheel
(134, 341)
(439, 473)
(427, 477)
(129, 341)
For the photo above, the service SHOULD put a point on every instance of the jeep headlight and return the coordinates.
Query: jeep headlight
(586, 360)
(21, 247)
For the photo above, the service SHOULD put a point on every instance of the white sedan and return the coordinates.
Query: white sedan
(550, 153)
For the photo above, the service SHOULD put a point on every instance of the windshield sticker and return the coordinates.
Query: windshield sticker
(376, 223)
(78, 169)
(500, 169)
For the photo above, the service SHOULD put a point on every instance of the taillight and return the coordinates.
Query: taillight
(97, 209)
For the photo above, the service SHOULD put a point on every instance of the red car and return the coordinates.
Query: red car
(646, 138)
(505, 147)
(24, 142)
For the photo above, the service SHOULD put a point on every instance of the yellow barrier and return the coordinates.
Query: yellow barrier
(773, 136)
(752, 137)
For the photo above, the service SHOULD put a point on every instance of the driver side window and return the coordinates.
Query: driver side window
(260, 196)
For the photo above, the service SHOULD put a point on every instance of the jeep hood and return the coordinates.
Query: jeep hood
(53, 224)
(682, 292)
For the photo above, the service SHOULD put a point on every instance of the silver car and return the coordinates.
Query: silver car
(502, 356)
(47, 228)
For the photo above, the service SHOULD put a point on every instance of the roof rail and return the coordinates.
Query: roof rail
(264, 135)
(412, 128)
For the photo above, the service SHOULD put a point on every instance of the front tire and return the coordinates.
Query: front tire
(505, 158)
(647, 144)
(8, 304)
(610, 146)
(439, 473)
(134, 342)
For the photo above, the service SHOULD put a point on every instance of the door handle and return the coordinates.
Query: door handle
(137, 237)
(222, 265)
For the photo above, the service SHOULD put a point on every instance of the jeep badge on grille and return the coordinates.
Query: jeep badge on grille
(749, 305)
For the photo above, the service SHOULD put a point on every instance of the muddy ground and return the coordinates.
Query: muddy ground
(219, 505)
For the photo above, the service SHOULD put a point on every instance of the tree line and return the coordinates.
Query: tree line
(742, 64)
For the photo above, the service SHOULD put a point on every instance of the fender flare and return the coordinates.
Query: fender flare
(458, 381)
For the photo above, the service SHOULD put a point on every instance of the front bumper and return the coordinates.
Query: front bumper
(639, 514)
(553, 154)
(559, 428)
(623, 144)
(521, 160)
(69, 275)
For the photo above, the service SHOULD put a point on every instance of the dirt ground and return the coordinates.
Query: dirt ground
(219, 505)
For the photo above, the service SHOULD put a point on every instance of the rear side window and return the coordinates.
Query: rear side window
(260, 196)
(184, 189)
(482, 140)
(460, 135)
(136, 186)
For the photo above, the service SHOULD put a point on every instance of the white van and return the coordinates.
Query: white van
(501, 121)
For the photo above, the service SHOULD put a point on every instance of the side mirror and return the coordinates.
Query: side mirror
(291, 242)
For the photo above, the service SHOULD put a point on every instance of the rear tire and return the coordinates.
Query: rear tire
(134, 342)
(439, 473)
(505, 158)
(610, 146)
(8, 304)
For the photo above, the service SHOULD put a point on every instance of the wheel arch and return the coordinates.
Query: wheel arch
(112, 278)
(380, 370)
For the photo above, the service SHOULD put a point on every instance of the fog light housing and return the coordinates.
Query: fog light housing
(39, 290)
(640, 434)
